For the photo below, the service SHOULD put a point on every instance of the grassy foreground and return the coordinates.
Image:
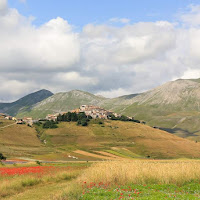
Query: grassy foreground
(139, 179)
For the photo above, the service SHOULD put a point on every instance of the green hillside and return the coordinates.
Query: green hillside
(61, 102)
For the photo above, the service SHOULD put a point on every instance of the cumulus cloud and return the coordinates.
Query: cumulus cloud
(104, 59)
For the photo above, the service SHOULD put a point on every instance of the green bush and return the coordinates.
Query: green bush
(2, 157)
(50, 124)
(38, 162)
(84, 122)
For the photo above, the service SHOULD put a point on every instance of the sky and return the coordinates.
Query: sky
(109, 48)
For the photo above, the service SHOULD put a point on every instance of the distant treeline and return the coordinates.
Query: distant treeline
(123, 118)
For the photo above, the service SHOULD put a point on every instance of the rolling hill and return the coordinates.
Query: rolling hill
(110, 140)
(25, 103)
(60, 102)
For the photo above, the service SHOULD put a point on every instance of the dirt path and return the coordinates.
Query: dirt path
(7, 126)
(41, 192)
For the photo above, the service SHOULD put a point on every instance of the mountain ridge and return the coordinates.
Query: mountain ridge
(25, 102)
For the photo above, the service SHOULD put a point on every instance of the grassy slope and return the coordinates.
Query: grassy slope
(121, 137)
(61, 102)
(181, 120)
(20, 140)
(124, 139)
(174, 105)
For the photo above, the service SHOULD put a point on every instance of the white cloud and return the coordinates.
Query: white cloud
(120, 20)
(192, 16)
(103, 59)
(191, 74)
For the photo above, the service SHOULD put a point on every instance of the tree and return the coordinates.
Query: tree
(2, 157)
(50, 124)
(74, 117)
(84, 122)
(81, 116)
(59, 118)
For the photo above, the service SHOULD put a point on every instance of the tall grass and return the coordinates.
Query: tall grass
(143, 172)
(133, 172)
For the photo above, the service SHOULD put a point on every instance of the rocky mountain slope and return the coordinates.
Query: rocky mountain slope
(174, 106)
(25, 103)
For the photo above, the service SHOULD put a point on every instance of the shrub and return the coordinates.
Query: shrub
(38, 123)
(2, 157)
(38, 162)
(78, 122)
(50, 124)
(84, 122)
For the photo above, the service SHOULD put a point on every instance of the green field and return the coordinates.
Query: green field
(143, 192)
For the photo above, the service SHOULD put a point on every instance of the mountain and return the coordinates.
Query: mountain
(60, 102)
(174, 106)
(25, 103)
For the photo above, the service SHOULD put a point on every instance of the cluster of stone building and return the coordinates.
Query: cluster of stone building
(96, 112)
(25, 120)
(89, 110)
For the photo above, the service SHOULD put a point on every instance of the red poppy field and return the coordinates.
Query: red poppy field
(5, 171)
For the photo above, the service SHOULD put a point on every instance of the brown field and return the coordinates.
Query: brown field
(20, 140)
(137, 138)
(143, 172)
(109, 141)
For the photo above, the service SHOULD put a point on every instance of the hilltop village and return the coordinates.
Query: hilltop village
(92, 111)
(89, 110)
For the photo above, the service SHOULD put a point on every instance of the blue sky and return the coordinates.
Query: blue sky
(82, 12)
